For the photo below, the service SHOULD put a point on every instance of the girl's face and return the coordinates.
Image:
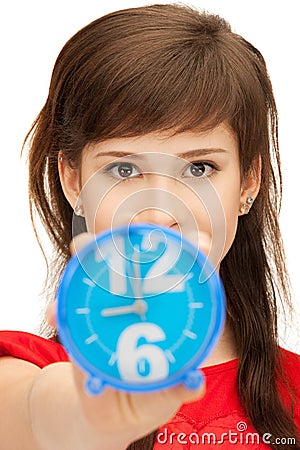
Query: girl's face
(190, 182)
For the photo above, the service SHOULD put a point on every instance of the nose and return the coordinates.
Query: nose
(160, 203)
(156, 216)
(157, 205)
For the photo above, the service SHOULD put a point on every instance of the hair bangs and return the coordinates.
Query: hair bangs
(176, 90)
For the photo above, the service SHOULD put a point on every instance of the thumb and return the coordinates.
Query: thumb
(51, 314)
(76, 244)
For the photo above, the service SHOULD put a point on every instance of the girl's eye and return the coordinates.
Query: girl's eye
(122, 170)
(199, 169)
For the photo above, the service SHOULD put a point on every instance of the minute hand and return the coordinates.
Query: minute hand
(139, 303)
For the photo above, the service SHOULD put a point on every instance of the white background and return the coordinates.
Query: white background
(32, 34)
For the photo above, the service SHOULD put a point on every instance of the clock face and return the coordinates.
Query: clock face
(139, 308)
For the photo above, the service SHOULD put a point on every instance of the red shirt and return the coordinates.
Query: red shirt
(217, 420)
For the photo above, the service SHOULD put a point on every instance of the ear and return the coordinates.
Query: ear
(70, 180)
(250, 185)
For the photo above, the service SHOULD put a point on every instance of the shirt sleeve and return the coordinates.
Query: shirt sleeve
(31, 348)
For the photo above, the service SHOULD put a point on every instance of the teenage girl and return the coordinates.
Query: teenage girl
(165, 80)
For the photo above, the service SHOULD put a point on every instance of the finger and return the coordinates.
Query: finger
(51, 314)
(173, 398)
(80, 241)
(162, 405)
(190, 395)
(200, 239)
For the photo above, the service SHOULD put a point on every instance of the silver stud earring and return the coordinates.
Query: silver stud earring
(79, 210)
(245, 207)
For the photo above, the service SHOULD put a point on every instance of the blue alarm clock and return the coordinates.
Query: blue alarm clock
(139, 309)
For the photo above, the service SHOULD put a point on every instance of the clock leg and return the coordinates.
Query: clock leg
(193, 379)
(94, 385)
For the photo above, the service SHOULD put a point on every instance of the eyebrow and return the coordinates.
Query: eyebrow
(117, 154)
(184, 155)
(201, 152)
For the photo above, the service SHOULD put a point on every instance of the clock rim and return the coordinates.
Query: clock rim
(103, 378)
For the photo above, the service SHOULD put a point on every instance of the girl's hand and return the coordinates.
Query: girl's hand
(117, 413)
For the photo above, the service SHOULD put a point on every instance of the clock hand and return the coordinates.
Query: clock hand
(137, 288)
(139, 307)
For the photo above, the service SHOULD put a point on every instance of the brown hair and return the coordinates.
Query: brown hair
(172, 68)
